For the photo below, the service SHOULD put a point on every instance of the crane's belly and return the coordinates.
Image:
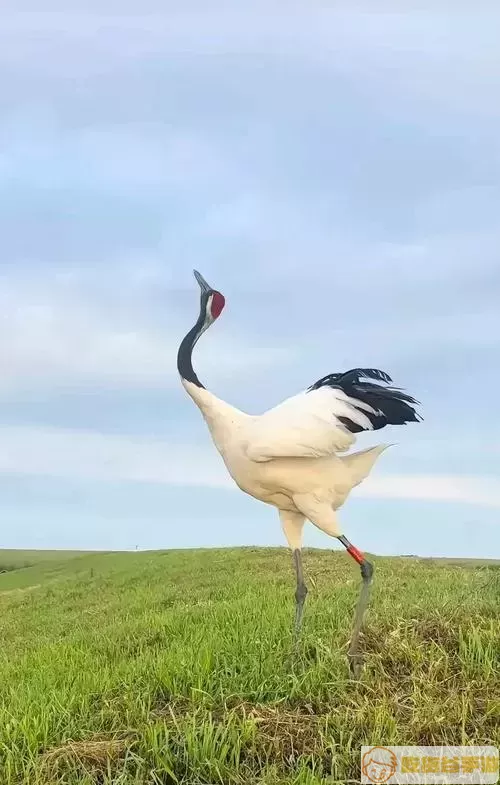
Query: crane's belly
(258, 480)
(277, 498)
(277, 482)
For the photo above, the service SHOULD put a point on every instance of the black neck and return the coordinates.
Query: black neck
(184, 362)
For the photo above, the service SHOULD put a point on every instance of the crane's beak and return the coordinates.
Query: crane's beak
(205, 288)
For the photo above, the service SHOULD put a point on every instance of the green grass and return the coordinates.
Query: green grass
(14, 559)
(177, 667)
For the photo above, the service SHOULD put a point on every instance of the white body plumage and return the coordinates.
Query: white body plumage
(287, 457)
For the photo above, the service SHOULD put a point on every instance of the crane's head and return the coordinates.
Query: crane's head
(212, 302)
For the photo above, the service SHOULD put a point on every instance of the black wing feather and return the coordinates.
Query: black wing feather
(348, 377)
(391, 405)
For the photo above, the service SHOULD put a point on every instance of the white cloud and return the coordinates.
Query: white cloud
(482, 491)
(140, 157)
(87, 455)
(424, 48)
(54, 335)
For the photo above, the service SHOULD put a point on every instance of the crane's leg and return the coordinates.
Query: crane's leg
(293, 524)
(324, 517)
(300, 591)
(355, 660)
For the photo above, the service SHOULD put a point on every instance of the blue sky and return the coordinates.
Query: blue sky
(335, 172)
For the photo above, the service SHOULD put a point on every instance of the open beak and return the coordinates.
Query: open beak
(205, 288)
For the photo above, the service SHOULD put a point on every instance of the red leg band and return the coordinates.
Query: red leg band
(353, 551)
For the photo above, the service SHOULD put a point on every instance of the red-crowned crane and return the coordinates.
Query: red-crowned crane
(288, 456)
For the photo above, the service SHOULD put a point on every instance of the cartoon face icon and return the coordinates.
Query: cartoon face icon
(379, 764)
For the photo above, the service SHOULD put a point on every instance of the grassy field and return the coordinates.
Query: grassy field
(178, 666)
(15, 560)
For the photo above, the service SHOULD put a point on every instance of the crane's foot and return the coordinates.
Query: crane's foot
(355, 665)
